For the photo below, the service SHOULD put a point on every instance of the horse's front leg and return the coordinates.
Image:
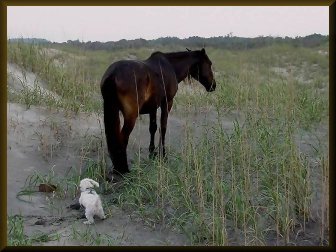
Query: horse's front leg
(165, 109)
(152, 131)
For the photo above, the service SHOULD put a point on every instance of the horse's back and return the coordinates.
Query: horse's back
(148, 83)
(128, 82)
(123, 69)
(155, 66)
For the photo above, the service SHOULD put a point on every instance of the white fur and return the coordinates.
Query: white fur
(90, 200)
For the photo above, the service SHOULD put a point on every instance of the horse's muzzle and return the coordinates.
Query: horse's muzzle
(212, 87)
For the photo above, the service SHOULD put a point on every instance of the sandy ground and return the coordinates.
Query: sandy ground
(19, 78)
(26, 154)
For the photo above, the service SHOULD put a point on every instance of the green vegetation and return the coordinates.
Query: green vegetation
(250, 180)
(17, 237)
(89, 237)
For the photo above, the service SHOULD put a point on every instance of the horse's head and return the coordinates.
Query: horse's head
(202, 71)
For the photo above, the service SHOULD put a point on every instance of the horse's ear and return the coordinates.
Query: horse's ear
(203, 50)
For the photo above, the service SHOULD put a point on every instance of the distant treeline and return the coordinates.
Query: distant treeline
(226, 42)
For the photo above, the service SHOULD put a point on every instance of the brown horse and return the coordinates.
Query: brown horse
(141, 87)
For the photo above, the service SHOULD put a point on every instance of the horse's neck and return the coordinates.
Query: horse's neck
(181, 64)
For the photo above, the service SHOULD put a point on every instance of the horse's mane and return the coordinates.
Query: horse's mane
(176, 56)
(172, 54)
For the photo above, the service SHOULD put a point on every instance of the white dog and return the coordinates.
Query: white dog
(90, 200)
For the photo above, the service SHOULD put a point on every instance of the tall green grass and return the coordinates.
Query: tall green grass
(252, 180)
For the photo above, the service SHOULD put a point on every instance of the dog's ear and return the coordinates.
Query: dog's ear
(94, 183)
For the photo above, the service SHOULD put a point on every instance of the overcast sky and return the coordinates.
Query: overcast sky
(114, 23)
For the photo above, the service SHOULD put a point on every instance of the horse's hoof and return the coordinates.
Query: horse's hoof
(164, 158)
(109, 176)
(163, 155)
(114, 176)
(153, 155)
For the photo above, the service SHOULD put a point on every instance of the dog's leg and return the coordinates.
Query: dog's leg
(101, 213)
(88, 222)
(89, 217)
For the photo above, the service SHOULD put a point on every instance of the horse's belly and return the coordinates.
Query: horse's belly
(148, 106)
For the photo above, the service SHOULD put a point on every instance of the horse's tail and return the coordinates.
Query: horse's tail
(112, 126)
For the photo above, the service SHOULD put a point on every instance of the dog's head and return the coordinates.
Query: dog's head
(87, 183)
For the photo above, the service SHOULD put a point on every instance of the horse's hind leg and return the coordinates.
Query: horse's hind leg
(112, 131)
(129, 123)
(152, 130)
(165, 108)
